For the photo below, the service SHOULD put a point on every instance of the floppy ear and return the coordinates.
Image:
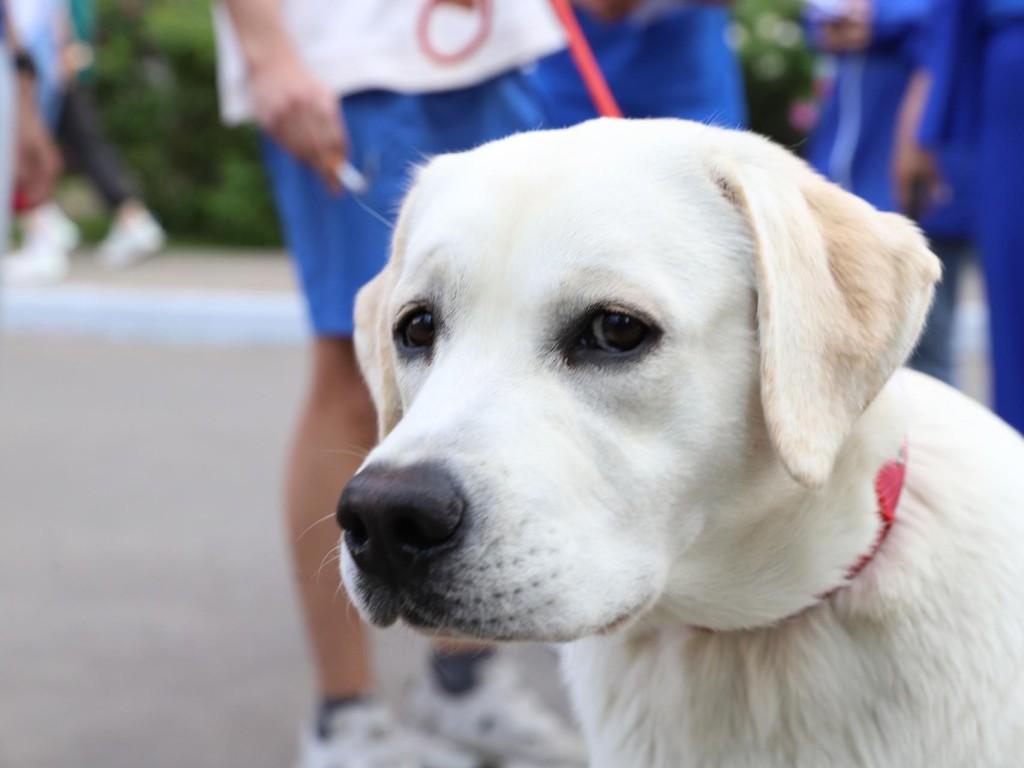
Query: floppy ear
(843, 291)
(374, 350)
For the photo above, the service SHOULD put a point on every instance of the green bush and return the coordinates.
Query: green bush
(777, 67)
(155, 78)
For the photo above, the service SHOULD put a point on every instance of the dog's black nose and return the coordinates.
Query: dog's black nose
(397, 519)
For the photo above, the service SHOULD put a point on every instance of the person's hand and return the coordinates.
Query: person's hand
(75, 58)
(849, 33)
(36, 161)
(608, 10)
(301, 114)
(917, 178)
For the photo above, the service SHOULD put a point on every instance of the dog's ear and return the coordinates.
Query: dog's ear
(842, 294)
(374, 349)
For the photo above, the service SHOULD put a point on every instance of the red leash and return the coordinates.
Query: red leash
(586, 63)
(580, 50)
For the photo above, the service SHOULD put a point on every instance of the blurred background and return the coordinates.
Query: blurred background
(147, 616)
(155, 76)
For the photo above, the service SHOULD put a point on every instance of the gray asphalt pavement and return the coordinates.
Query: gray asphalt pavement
(145, 603)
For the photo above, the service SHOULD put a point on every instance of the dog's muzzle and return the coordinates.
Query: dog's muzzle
(400, 520)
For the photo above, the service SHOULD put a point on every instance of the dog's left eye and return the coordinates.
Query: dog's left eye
(416, 329)
(617, 332)
(610, 333)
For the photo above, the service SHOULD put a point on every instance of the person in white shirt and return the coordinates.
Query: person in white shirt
(379, 85)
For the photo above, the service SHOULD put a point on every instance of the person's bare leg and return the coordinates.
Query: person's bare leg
(336, 428)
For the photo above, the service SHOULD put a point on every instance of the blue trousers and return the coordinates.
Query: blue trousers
(1001, 213)
(934, 354)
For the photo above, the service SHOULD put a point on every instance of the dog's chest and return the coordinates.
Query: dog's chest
(797, 698)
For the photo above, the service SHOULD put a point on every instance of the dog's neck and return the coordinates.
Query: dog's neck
(796, 551)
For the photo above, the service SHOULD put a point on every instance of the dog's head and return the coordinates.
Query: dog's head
(590, 348)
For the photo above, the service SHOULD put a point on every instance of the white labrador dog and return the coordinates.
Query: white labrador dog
(637, 383)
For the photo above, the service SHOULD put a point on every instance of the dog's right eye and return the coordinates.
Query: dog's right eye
(609, 334)
(615, 332)
(416, 330)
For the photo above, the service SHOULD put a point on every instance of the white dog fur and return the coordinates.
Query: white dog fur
(674, 517)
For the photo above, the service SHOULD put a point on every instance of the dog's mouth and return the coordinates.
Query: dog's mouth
(380, 608)
(460, 617)
(626, 619)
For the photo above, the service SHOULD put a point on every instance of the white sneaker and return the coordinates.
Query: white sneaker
(365, 735)
(47, 227)
(48, 237)
(500, 718)
(39, 265)
(131, 240)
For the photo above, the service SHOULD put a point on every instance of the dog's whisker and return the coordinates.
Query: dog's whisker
(334, 556)
(313, 525)
(379, 217)
(354, 452)
(338, 591)
(329, 558)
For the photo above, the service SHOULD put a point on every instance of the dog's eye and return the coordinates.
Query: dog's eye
(615, 332)
(417, 329)
(609, 334)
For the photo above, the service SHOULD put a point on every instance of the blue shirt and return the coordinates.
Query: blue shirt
(676, 65)
(1003, 9)
(853, 142)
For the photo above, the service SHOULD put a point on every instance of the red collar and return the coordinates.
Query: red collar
(888, 488)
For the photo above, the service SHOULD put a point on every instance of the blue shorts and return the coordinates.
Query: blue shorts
(676, 66)
(336, 244)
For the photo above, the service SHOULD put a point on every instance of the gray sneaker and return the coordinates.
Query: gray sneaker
(501, 719)
(365, 735)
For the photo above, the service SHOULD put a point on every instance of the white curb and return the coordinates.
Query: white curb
(175, 317)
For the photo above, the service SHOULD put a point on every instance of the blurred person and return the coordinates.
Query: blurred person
(875, 48)
(971, 87)
(29, 162)
(661, 58)
(49, 235)
(364, 82)
(41, 26)
(134, 232)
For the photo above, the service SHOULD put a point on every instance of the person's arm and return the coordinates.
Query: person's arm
(290, 104)
(10, 36)
(915, 171)
(36, 159)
